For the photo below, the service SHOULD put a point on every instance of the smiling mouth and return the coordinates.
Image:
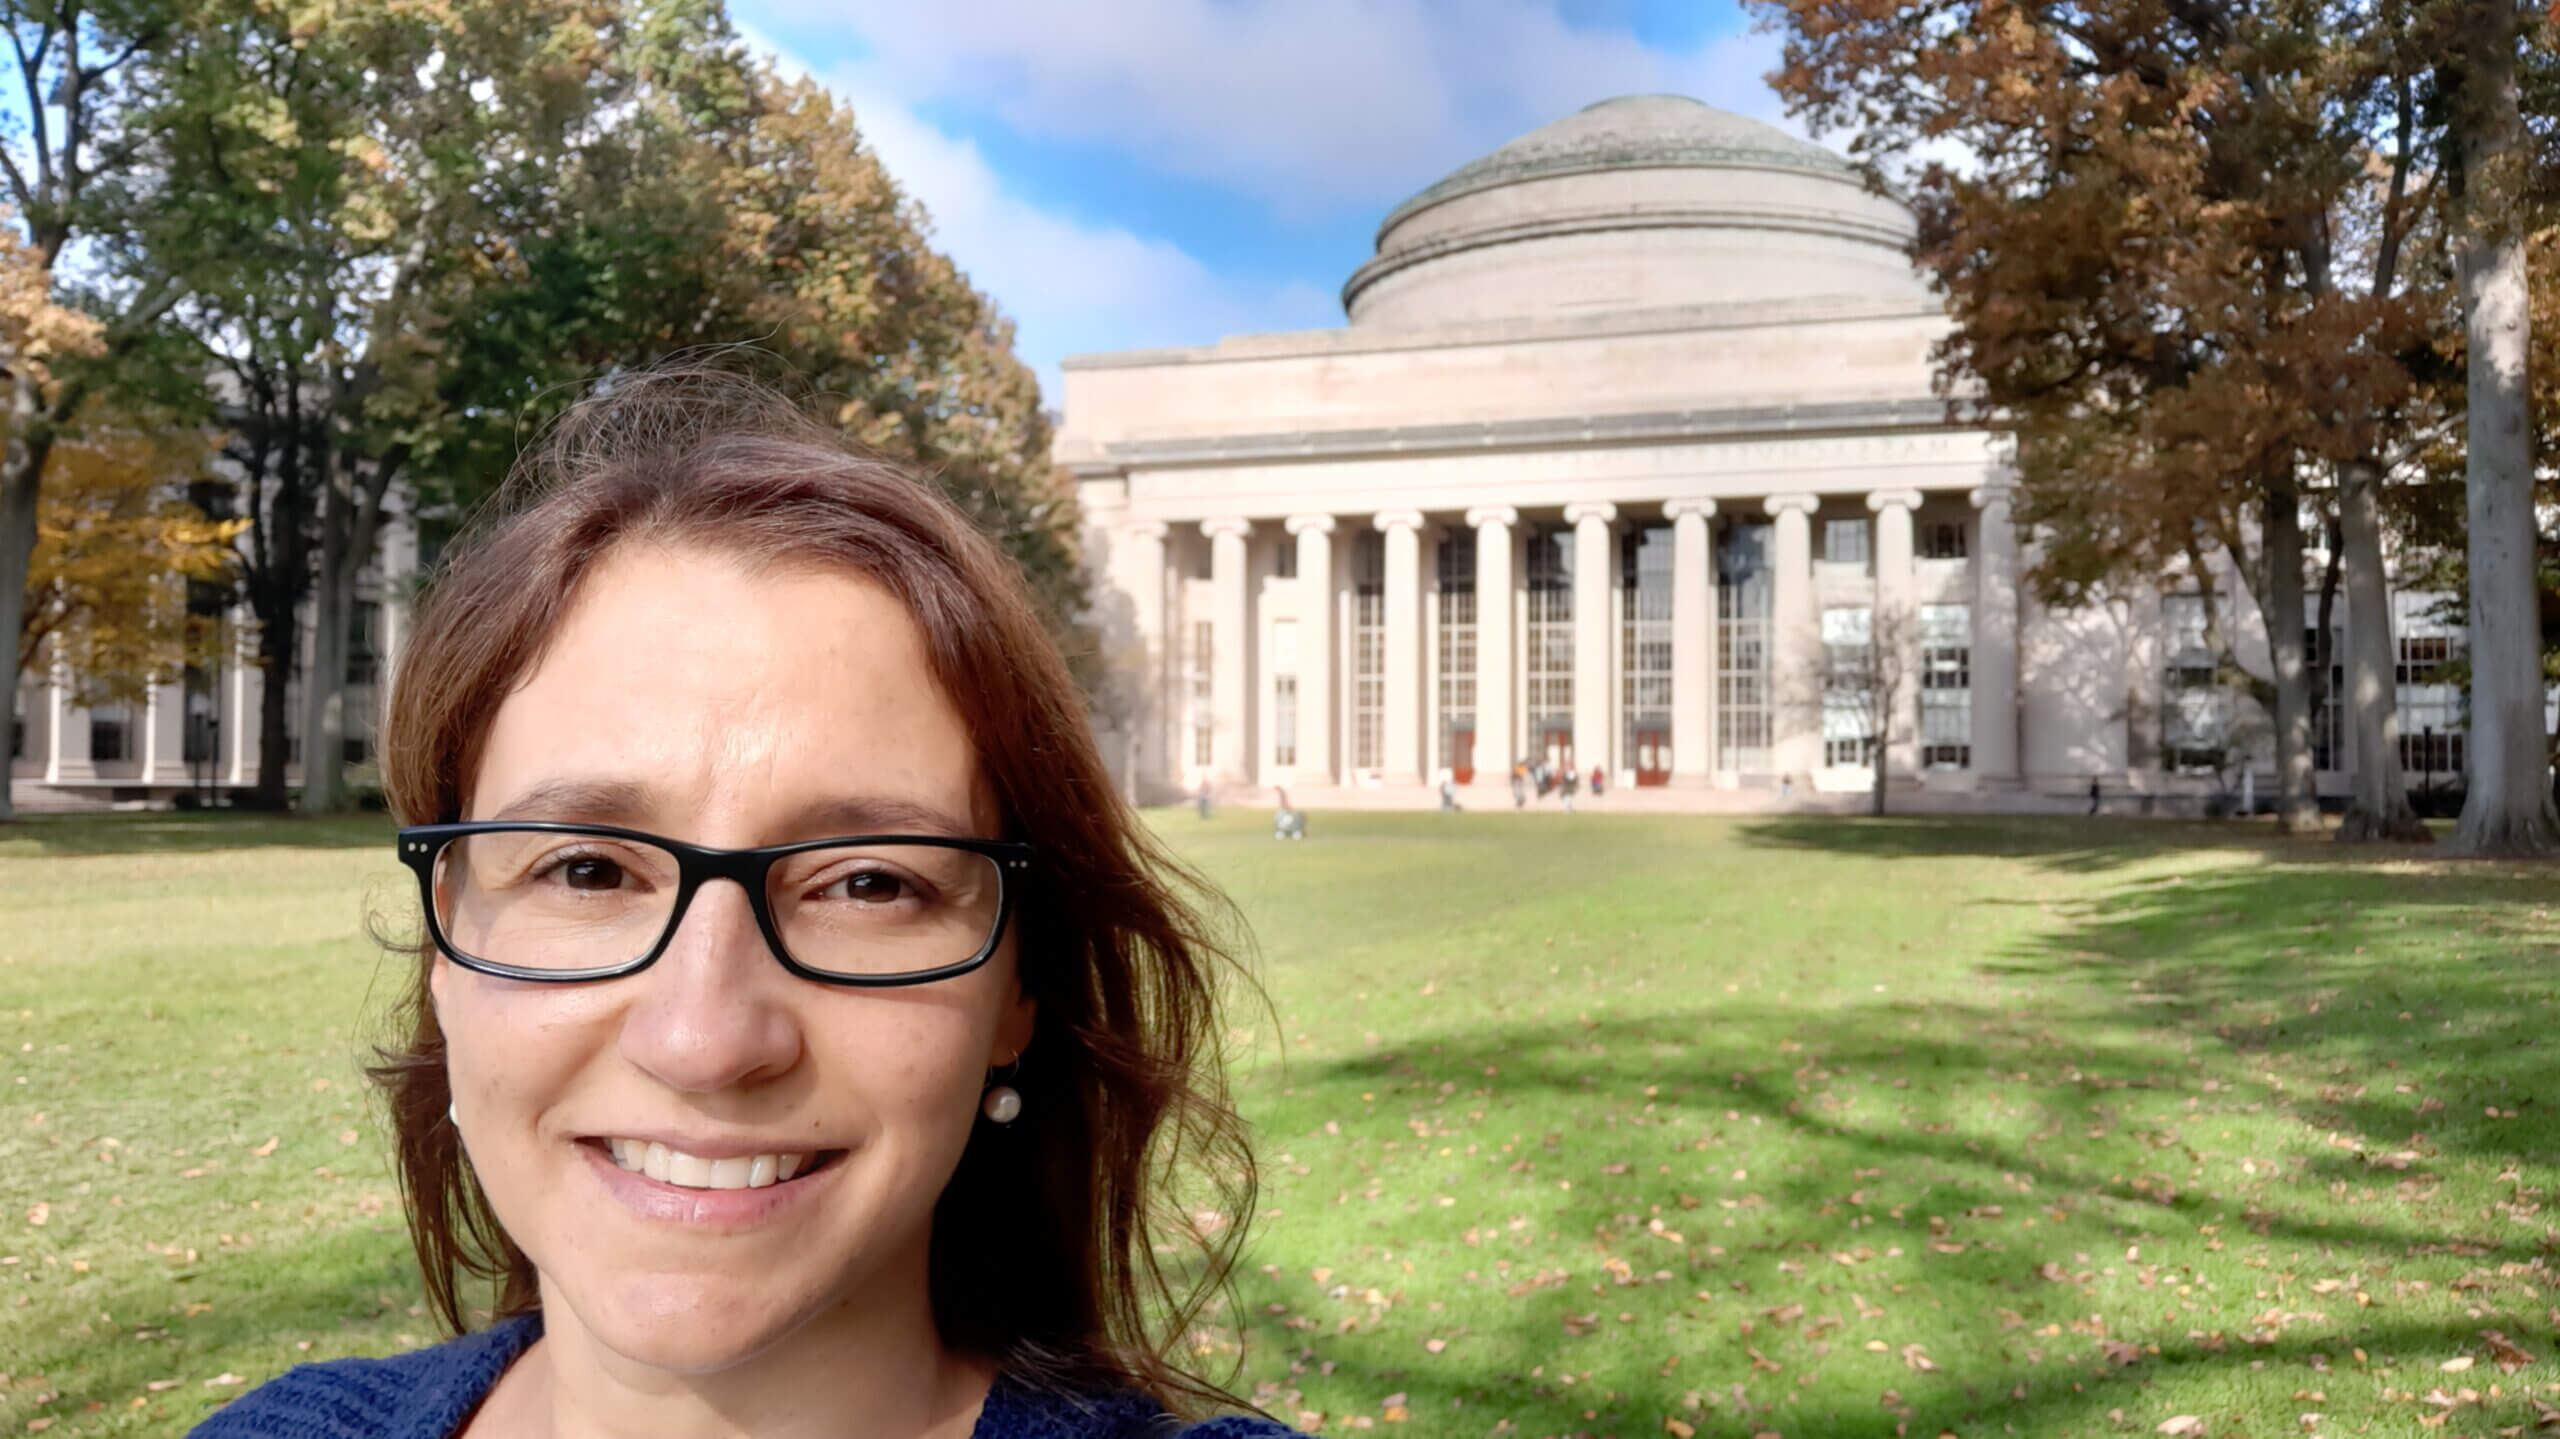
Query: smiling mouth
(692, 1171)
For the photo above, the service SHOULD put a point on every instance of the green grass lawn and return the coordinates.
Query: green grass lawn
(1600, 1126)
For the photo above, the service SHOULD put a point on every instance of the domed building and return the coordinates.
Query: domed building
(1632, 423)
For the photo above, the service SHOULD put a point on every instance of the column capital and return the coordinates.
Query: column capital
(1310, 524)
(1483, 515)
(1703, 508)
(1801, 504)
(1399, 520)
(1879, 501)
(1996, 493)
(1149, 530)
(1235, 525)
(1580, 510)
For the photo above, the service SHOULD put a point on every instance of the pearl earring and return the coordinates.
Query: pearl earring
(1003, 1102)
(449, 1116)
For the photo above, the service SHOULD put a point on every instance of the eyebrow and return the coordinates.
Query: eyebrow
(627, 802)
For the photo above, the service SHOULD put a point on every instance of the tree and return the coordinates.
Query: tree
(2176, 269)
(2508, 807)
(1862, 681)
(117, 546)
(81, 164)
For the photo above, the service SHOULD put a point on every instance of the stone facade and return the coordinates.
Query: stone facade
(197, 734)
(1632, 424)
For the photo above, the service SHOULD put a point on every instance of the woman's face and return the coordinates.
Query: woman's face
(695, 700)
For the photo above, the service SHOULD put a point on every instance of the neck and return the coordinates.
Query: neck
(856, 1370)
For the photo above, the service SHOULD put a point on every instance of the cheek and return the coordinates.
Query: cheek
(508, 1046)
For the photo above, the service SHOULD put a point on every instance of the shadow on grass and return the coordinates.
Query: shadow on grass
(2069, 844)
(1842, 1164)
(2442, 978)
(2346, 1028)
(163, 832)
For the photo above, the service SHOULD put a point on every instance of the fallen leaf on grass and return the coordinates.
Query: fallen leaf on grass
(1678, 1430)
(224, 1380)
(2187, 1424)
(2456, 1364)
(1917, 1357)
(2508, 1355)
(263, 1150)
(158, 1385)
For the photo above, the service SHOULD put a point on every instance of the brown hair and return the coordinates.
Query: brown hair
(1045, 1244)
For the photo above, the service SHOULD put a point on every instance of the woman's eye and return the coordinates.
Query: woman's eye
(873, 887)
(590, 872)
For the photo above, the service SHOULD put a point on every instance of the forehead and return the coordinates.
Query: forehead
(731, 696)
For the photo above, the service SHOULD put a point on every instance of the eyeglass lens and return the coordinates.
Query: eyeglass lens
(568, 902)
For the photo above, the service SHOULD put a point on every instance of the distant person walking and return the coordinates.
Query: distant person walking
(1448, 793)
(2095, 794)
(1204, 796)
(1599, 781)
(1287, 822)
(1572, 781)
(1519, 785)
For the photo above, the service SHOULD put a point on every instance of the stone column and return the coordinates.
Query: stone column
(1897, 615)
(1497, 541)
(1400, 750)
(1794, 640)
(1693, 639)
(1593, 618)
(68, 758)
(248, 690)
(1995, 641)
(1153, 717)
(1315, 646)
(1229, 617)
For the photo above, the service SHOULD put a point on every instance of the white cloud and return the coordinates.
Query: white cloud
(1071, 286)
(1311, 106)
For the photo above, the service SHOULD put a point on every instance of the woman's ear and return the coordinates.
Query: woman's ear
(1015, 1028)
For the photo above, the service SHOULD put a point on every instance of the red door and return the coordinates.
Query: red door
(1653, 756)
(1462, 755)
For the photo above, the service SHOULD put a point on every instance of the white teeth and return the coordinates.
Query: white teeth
(674, 1166)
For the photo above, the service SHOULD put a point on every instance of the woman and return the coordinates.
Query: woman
(803, 1034)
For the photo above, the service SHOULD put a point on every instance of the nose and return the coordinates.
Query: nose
(715, 1011)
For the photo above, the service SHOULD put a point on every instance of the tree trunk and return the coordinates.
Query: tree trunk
(2508, 807)
(1876, 801)
(276, 645)
(2297, 792)
(21, 467)
(324, 689)
(2379, 807)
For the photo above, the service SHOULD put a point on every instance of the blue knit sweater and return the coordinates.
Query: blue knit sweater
(428, 1394)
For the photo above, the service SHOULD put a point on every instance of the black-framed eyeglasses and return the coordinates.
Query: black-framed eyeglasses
(563, 903)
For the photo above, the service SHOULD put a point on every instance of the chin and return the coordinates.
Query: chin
(687, 1324)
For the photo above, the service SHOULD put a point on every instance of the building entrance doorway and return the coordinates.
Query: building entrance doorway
(1555, 746)
(1462, 756)
(1653, 755)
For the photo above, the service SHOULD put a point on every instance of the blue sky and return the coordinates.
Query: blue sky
(1129, 173)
